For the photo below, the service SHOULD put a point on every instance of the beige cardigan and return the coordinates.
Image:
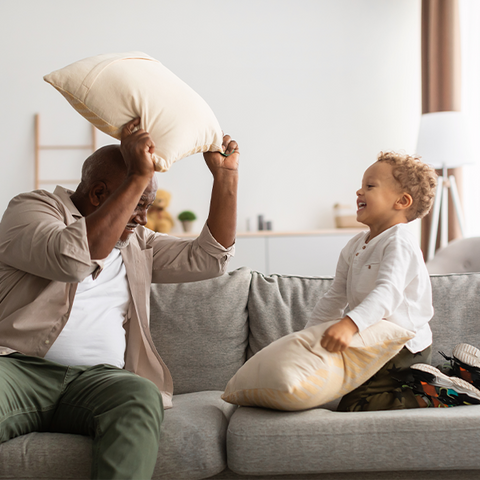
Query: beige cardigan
(44, 254)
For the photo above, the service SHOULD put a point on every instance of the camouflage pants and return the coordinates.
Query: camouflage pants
(384, 390)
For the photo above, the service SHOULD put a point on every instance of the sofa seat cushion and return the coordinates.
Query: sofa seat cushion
(268, 442)
(193, 440)
(46, 455)
(192, 445)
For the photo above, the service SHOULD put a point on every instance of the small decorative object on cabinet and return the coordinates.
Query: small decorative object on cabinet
(264, 224)
(187, 218)
(158, 219)
(346, 217)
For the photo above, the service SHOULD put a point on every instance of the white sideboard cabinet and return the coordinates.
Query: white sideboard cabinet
(312, 253)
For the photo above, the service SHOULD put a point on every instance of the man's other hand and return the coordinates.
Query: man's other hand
(217, 162)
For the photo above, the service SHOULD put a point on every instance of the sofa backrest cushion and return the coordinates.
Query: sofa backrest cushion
(456, 301)
(201, 330)
(279, 305)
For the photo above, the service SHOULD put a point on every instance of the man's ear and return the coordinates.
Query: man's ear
(98, 193)
(403, 202)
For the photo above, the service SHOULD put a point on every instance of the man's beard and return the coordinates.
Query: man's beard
(122, 243)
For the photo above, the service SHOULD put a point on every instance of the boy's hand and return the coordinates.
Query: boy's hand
(337, 338)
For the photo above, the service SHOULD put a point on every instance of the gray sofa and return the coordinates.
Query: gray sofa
(206, 330)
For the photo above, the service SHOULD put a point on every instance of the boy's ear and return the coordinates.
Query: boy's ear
(404, 201)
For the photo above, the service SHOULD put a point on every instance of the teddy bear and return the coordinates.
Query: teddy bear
(158, 219)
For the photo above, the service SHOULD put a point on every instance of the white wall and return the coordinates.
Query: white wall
(470, 21)
(311, 89)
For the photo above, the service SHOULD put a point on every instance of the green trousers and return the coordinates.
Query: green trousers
(119, 410)
(385, 391)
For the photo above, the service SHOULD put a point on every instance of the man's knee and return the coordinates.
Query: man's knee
(140, 393)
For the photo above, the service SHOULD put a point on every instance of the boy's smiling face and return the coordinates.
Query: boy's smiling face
(377, 199)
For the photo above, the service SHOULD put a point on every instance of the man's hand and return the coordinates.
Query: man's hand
(337, 338)
(137, 150)
(217, 162)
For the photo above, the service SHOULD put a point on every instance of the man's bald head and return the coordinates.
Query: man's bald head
(104, 165)
(103, 173)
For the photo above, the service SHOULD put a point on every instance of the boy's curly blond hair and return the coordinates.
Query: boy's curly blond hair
(415, 178)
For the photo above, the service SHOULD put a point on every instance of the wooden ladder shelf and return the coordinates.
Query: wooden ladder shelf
(39, 147)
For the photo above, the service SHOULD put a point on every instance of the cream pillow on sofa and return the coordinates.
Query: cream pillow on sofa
(110, 90)
(296, 373)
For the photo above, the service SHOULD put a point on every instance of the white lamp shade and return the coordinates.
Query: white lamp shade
(443, 140)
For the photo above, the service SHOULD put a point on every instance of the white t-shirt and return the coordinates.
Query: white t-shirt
(385, 278)
(94, 333)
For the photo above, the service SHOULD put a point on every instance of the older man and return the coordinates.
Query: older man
(76, 354)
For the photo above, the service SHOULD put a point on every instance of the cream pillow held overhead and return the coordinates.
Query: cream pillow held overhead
(112, 89)
(295, 372)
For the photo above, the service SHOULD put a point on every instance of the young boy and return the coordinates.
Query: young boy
(381, 274)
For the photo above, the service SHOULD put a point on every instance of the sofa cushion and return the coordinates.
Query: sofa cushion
(268, 442)
(227, 474)
(46, 456)
(281, 304)
(193, 439)
(295, 372)
(457, 312)
(192, 445)
(201, 329)
(110, 90)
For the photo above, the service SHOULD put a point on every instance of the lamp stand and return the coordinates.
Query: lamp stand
(444, 183)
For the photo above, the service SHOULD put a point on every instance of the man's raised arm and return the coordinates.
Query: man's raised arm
(222, 218)
(109, 199)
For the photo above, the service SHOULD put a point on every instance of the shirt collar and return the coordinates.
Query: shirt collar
(385, 233)
(64, 194)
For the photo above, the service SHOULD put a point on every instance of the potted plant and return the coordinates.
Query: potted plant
(187, 218)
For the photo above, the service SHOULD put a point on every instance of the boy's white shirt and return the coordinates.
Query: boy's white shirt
(385, 278)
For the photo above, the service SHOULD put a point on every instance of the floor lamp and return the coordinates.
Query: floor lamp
(443, 142)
